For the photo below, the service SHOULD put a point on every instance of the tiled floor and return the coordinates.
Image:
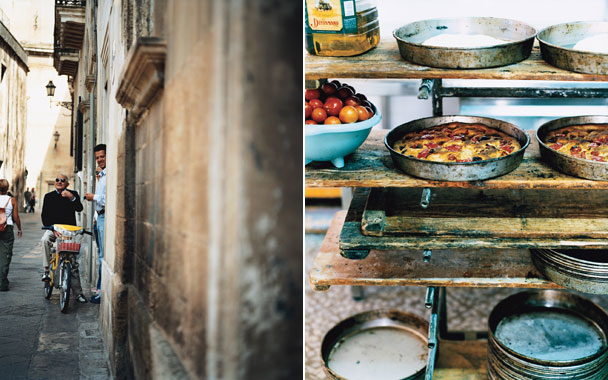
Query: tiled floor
(468, 309)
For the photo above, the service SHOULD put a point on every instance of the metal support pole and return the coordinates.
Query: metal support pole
(433, 295)
(437, 98)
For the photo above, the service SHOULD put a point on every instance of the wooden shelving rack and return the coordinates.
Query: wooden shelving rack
(457, 261)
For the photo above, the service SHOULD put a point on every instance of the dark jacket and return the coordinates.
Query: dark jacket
(59, 210)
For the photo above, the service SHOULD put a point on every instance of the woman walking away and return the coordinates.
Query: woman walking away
(9, 216)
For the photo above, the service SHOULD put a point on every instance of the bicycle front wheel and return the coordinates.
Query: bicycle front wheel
(65, 277)
(48, 289)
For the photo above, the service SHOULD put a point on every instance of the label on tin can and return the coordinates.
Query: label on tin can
(331, 16)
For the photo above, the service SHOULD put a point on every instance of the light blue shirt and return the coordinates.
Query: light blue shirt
(100, 192)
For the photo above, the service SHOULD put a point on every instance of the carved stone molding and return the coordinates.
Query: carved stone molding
(89, 81)
(142, 78)
(84, 107)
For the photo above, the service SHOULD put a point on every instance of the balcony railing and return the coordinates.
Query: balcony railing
(70, 3)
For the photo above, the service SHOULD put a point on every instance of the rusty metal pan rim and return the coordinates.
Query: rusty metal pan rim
(510, 42)
(551, 299)
(464, 117)
(568, 121)
(376, 318)
(538, 36)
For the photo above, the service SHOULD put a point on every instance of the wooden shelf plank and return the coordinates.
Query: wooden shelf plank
(354, 245)
(371, 166)
(503, 213)
(461, 360)
(473, 268)
(385, 62)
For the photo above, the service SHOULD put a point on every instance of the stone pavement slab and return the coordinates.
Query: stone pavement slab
(37, 341)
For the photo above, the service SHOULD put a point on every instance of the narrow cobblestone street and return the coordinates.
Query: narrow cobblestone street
(37, 341)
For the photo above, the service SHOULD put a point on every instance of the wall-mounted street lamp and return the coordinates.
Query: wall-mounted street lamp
(56, 138)
(50, 92)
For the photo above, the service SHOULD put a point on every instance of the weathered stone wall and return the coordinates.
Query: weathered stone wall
(13, 112)
(202, 272)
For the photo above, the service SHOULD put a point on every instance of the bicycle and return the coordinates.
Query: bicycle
(66, 247)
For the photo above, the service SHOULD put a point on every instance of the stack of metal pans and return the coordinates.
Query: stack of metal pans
(548, 334)
(578, 269)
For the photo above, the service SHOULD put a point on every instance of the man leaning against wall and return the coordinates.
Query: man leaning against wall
(99, 199)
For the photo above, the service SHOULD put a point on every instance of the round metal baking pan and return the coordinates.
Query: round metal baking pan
(519, 38)
(547, 334)
(557, 42)
(565, 163)
(579, 269)
(457, 171)
(372, 323)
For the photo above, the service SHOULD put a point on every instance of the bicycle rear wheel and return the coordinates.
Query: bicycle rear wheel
(65, 276)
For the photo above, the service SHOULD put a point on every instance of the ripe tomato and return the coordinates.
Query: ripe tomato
(348, 114)
(352, 101)
(333, 106)
(307, 109)
(337, 83)
(319, 115)
(309, 121)
(370, 111)
(316, 103)
(361, 96)
(329, 88)
(345, 92)
(363, 114)
(332, 120)
(310, 94)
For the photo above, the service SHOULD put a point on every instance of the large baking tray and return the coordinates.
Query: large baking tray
(519, 40)
(577, 167)
(457, 171)
(538, 349)
(579, 269)
(368, 322)
(557, 41)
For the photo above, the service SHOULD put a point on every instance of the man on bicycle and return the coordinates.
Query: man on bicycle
(60, 207)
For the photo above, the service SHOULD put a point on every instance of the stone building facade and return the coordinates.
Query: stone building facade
(47, 148)
(13, 111)
(202, 271)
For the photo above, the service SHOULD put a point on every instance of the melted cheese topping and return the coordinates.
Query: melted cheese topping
(457, 142)
(588, 141)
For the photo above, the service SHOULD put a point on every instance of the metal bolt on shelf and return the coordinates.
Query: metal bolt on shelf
(425, 200)
(426, 255)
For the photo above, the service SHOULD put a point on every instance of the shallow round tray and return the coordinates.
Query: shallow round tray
(557, 41)
(517, 47)
(582, 270)
(457, 171)
(592, 323)
(370, 320)
(565, 163)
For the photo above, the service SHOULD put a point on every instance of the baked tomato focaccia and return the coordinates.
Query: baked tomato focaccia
(457, 142)
(588, 141)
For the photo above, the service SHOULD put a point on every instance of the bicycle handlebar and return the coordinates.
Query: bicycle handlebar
(52, 228)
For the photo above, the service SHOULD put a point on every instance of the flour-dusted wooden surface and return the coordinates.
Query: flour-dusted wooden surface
(385, 62)
(462, 268)
(371, 166)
